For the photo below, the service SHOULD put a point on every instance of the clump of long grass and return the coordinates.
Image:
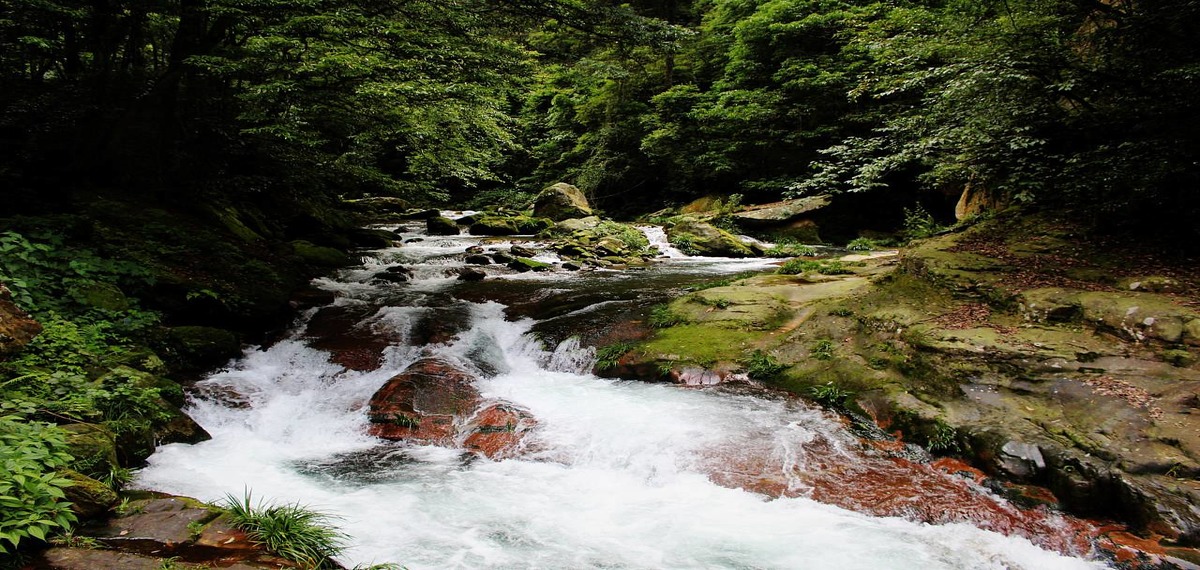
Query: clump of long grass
(292, 530)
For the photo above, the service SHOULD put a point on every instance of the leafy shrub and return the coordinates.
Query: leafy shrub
(728, 204)
(685, 243)
(799, 266)
(32, 501)
(941, 438)
(45, 274)
(790, 249)
(292, 531)
(862, 244)
(919, 223)
(763, 366)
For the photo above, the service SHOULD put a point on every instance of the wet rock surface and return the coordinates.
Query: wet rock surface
(435, 402)
(156, 531)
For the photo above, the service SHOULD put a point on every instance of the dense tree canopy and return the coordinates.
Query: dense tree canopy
(1072, 102)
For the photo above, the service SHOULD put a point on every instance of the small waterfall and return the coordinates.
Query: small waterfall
(658, 238)
(616, 474)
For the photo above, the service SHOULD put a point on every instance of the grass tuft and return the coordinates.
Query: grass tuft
(292, 531)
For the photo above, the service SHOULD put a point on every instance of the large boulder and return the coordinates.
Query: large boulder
(435, 402)
(561, 201)
(441, 226)
(422, 403)
(697, 237)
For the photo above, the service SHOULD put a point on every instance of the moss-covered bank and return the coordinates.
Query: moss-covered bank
(1043, 357)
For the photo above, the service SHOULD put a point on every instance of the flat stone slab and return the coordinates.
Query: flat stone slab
(167, 521)
(85, 559)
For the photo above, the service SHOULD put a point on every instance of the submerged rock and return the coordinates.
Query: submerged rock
(394, 274)
(498, 430)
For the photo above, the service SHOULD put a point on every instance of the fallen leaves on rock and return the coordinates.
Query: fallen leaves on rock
(1134, 396)
(965, 316)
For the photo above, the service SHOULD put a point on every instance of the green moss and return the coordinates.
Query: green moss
(701, 344)
(229, 217)
(93, 447)
(89, 497)
(200, 347)
(525, 264)
(320, 256)
(508, 225)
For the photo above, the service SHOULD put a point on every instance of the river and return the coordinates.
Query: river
(617, 474)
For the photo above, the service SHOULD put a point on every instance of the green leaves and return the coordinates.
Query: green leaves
(32, 501)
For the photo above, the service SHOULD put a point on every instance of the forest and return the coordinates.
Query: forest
(1085, 105)
(172, 171)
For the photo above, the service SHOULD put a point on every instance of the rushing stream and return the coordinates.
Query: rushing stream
(617, 474)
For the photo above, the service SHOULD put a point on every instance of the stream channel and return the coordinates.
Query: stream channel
(616, 474)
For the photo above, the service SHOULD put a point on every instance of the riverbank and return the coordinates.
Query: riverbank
(1015, 344)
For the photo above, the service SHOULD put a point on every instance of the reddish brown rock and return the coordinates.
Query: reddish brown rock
(498, 430)
(338, 330)
(17, 328)
(421, 403)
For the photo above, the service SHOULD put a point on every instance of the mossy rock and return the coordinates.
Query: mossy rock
(750, 308)
(696, 237)
(1138, 316)
(231, 219)
(524, 264)
(94, 448)
(89, 498)
(371, 238)
(98, 295)
(701, 205)
(168, 389)
(571, 225)
(141, 358)
(508, 225)
(441, 226)
(202, 347)
(319, 255)
(703, 345)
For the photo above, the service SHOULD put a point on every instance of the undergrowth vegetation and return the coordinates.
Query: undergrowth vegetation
(801, 266)
(71, 372)
(32, 499)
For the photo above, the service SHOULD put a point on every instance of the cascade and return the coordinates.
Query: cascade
(616, 474)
